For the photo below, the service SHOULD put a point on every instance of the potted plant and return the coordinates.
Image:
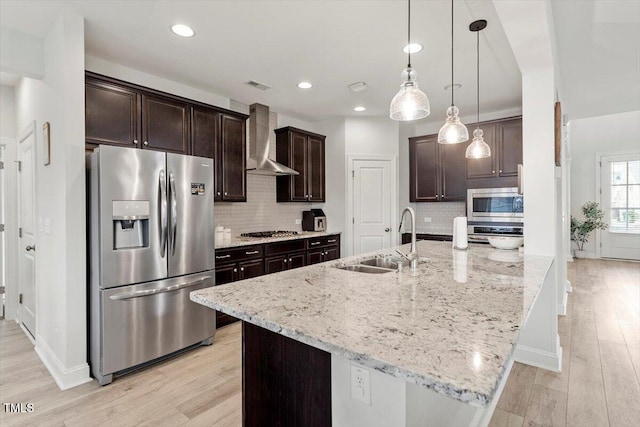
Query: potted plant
(580, 230)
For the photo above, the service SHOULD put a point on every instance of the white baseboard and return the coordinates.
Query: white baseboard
(562, 307)
(588, 255)
(540, 358)
(568, 287)
(65, 378)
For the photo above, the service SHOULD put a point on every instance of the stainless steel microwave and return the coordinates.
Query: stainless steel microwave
(495, 205)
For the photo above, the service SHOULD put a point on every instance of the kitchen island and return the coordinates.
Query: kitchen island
(436, 344)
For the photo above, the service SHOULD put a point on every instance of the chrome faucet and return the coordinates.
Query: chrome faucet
(413, 254)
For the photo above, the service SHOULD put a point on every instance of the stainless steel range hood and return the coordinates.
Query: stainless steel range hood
(259, 162)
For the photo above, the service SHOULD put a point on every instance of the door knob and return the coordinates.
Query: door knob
(30, 248)
(387, 229)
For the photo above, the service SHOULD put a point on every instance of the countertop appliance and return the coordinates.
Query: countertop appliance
(152, 239)
(314, 220)
(268, 234)
(494, 212)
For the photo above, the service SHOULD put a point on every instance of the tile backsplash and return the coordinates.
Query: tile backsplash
(441, 214)
(260, 212)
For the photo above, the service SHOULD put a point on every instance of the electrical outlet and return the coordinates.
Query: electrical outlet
(360, 385)
(298, 221)
(427, 219)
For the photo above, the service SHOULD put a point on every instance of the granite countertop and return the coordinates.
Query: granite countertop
(245, 241)
(451, 326)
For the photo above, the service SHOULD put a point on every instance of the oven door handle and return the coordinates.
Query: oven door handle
(147, 292)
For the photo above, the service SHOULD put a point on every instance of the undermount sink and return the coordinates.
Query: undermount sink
(366, 269)
(391, 263)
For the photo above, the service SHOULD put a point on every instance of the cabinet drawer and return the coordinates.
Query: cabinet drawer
(319, 242)
(284, 247)
(239, 254)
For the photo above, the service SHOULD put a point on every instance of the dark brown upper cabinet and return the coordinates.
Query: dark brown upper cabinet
(112, 114)
(165, 124)
(222, 137)
(501, 169)
(436, 171)
(303, 152)
(121, 113)
(233, 165)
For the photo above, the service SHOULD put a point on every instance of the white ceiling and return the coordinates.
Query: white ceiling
(279, 43)
(598, 51)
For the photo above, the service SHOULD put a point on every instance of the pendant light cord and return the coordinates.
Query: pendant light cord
(409, 35)
(452, 85)
(478, 77)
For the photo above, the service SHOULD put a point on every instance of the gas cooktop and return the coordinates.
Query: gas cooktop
(265, 234)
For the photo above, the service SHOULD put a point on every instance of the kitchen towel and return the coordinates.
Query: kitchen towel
(460, 233)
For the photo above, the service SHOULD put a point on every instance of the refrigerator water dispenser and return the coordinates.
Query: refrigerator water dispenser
(130, 224)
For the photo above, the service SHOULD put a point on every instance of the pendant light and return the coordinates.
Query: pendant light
(453, 131)
(478, 149)
(410, 103)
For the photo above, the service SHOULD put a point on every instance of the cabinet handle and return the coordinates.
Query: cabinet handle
(135, 142)
(500, 171)
(493, 171)
(218, 193)
(252, 252)
(241, 268)
(235, 270)
(289, 260)
(225, 193)
(310, 195)
(314, 243)
(332, 240)
(222, 256)
(146, 143)
(285, 261)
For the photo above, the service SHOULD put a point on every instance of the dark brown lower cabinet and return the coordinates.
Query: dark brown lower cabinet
(283, 262)
(284, 382)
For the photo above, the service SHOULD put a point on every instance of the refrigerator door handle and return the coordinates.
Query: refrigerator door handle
(147, 292)
(174, 213)
(163, 212)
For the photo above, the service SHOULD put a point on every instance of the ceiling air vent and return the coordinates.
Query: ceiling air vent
(258, 85)
(358, 86)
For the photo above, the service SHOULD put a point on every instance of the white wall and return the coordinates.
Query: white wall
(60, 200)
(111, 69)
(7, 112)
(21, 53)
(611, 134)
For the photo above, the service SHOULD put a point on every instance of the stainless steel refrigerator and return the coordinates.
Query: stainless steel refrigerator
(152, 243)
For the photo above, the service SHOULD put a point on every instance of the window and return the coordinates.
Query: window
(624, 216)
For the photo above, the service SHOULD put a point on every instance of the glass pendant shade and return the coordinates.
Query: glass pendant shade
(410, 103)
(453, 131)
(478, 149)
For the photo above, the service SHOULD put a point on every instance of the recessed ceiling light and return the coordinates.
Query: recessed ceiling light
(305, 85)
(359, 108)
(455, 86)
(183, 30)
(412, 48)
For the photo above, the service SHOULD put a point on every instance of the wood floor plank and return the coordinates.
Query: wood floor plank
(556, 380)
(586, 404)
(584, 339)
(621, 386)
(547, 407)
(515, 396)
(502, 418)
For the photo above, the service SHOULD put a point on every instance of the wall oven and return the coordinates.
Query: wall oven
(495, 211)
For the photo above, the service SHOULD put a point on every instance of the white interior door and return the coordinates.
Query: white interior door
(620, 186)
(372, 205)
(26, 234)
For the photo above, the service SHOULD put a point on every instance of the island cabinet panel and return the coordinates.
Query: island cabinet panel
(284, 381)
(165, 124)
(436, 171)
(303, 152)
(501, 169)
(111, 115)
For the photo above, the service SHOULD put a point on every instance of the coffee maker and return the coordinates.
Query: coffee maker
(314, 220)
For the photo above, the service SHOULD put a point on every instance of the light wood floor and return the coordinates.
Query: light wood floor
(599, 385)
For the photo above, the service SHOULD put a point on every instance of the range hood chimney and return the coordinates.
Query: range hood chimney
(259, 162)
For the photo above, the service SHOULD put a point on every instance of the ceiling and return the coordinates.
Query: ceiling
(598, 52)
(329, 43)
